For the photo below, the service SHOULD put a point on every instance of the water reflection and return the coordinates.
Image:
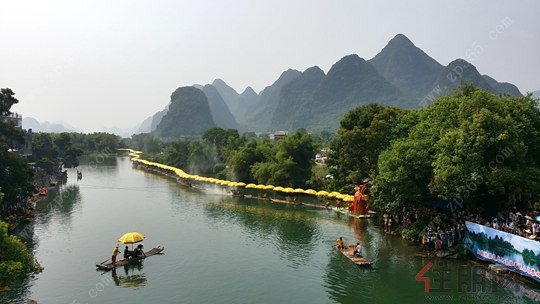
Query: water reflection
(61, 201)
(100, 161)
(129, 280)
(521, 291)
(295, 230)
(345, 282)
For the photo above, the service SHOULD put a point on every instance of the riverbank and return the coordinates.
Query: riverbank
(288, 247)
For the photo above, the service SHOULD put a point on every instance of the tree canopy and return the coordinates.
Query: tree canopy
(472, 147)
(364, 133)
(15, 174)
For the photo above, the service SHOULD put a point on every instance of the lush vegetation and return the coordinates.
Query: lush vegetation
(227, 154)
(364, 133)
(53, 149)
(15, 259)
(473, 147)
(15, 173)
(15, 182)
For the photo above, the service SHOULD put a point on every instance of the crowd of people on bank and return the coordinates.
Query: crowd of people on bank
(445, 229)
(22, 208)
(515, 222)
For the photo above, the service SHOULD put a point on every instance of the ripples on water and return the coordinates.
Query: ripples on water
(217, 249)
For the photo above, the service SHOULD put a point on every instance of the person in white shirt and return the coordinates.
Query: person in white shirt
(358, 249)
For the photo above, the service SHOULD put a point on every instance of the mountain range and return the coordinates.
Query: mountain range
(401, 75)
(55, 127)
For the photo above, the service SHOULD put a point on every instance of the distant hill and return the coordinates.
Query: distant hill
(400, 75)
(457, 72)
(502, 87)
(237, 103)
(220, 112)
(295, 105)
(36, 126)
(259, 116)
(145, 126)
(188, 115)
(407, 67)
(157, 117)
(351, 82)
(249, 99)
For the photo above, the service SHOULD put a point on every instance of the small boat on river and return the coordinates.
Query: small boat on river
(357, 259)
(288, 202)
(119, 263)
(343, 210)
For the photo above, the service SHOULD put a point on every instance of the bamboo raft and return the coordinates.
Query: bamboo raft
(342, 210)
(358, 260)
(274, 200)
(123, 262)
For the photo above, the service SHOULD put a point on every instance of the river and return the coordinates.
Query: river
(220, 249)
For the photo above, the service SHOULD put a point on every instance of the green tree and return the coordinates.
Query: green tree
(364, 133)
(43, 147)
(15, 260)
(288, 163)
(241, 161)
(466, 147)
(7, 100)
(15, 173)
(66, 150)
(177, 154)
(223, 142)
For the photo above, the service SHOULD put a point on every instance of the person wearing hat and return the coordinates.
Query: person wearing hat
(339, 243)
(114, 254)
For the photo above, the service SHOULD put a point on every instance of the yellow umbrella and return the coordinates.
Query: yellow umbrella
(322, 193)
(288, 190)
(298, 190)
(341, 196)
(333, 194)
(259, 187)
(268, 187)
(131, 238)
(278, 188)
(232, 184)
(241, 184)
(250, 186)
(310, 191)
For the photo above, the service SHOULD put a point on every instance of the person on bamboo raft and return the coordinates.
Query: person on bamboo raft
(138, 252)
(340, 244)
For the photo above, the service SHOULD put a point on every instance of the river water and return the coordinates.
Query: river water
(220, 249)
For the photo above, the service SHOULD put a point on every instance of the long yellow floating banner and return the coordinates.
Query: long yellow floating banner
(136, 157)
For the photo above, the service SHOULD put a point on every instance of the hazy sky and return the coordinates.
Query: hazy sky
(98, 64)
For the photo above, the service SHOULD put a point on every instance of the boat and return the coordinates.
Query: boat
(342, 210)
(42, 191)
(274, 200)
(119, 263)
(358, 260)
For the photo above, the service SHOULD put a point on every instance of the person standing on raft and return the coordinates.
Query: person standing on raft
(340, 244)
(114, 254)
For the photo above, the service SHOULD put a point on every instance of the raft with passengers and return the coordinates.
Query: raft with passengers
(133, 256)
(352, 252)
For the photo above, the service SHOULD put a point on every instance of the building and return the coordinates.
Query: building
(23, 147)
(14, 118)
(278, 135)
